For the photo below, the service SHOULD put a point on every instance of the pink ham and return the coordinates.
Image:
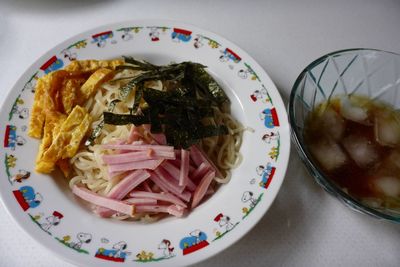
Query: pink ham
(112, 204)
(113, 174)
(172, 209)
(120, 190)
(134, 135)
(202, 188)
(196, 156)
(210, 191)
(175, 173)
(128, 183)
(185, 195)
(164, 175)
(147, 187)
(141, 201)
(159, 137)
(138, 147)
(177, 163)
(167, 197)
(135, 165)
(137, 156)
(204, 158)
(184, 171)
(200, 171)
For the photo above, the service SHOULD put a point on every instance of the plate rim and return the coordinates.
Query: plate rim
(35, 235)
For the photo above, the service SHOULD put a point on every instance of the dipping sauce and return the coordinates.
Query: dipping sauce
(356, 143)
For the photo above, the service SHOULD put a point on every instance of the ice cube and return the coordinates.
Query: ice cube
(328, 154)
(388, 185)
(332, 124)
(394, 158)
(363, 151)
(372, 202)
(387, 129)
(352, 111)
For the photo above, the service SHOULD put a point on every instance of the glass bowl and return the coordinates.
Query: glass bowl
(366, 72)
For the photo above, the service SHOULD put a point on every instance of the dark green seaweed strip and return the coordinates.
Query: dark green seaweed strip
(97, 130)
(124, 67)
(207, 83)
(143, 65)
(123, 119)
(138, 97)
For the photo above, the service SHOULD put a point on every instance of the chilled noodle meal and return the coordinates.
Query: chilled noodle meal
(356, 142)
(136, 140)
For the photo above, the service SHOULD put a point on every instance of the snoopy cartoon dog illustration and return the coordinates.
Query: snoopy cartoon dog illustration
(52, 220)
(166, 247)
(248, 197)
(224, 221)
(82, 238)
(126, 36)
(120, 249)
(68, 54)
(154, 34)
(268, 137)
(259, 94)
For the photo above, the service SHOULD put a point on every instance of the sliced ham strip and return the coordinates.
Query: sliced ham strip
(185, 195)
(135, 165)
(196, 156)
(209, 191)
(176, 211)
(184, 171)
(112, 204)
(200, 171)
(113, 174)
(164, 175)
(128, 183)
(177, 163)
(167, 197)
(120, 190)
(206, 159)
(127, 157)
(202, 188)
(134, 135)
(171, 169)
(138, 147)
(175, 173)
(137, 156)
(147, 187)
(141, 201)
(160, 138)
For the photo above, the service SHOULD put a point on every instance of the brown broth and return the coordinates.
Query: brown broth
(357, 179)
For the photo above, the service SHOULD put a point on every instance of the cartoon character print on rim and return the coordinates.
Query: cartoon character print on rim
(266, 172)
(195, 241)
(12, 139)
(27, 197)
(225, 225)
(78, 243)
(117, 253)
(101, 39)
(181, 35)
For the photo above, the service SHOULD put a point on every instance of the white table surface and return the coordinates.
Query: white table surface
(305, 226)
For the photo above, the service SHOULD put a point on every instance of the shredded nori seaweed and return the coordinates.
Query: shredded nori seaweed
(97, 130)
(177, 111)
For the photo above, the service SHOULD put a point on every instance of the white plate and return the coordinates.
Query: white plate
(256, 103)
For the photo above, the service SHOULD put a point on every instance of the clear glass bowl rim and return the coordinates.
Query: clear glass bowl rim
(305, 156)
